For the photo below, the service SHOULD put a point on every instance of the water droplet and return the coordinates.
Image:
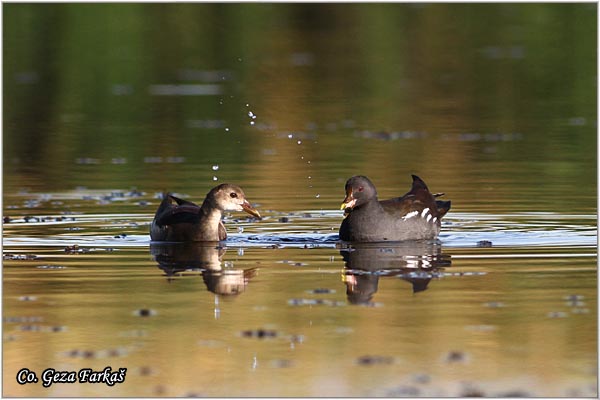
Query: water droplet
(215, 167)
(299, 141)
(215, 178)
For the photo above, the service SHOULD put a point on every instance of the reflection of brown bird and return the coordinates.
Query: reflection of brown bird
(188, 222)
(416, 215)
(205, 258)
(228, 281)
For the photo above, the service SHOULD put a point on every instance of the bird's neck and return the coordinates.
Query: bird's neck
(371, 204)
(212, 215)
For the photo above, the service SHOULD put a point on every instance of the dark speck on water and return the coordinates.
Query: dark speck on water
(259, 333)
(456, 357)
(321, 291)
(144, 312)
(374, 360)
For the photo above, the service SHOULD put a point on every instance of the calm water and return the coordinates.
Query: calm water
(108, 105)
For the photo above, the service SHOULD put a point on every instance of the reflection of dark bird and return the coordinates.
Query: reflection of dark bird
(186, 221)
(205, 258)
(416, 262)
(414, 216)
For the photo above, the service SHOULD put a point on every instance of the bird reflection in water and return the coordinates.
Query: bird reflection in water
(205, 258)
(416, 262)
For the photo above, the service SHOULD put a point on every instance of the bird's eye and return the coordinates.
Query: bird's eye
(360, 188)
(233, 195)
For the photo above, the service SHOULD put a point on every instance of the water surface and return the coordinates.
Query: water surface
(493, 104)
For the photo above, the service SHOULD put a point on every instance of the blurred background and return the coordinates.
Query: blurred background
(494, 104)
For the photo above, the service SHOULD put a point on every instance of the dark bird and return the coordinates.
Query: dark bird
(187, 222)
(414, 216)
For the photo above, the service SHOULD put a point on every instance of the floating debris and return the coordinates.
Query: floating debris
(374, 360)
(573, 297)
(22, 319)
(42, 328)
(103, 353)
(259, 333)
(27, 298)
(456, 356)
(321, 291)
(146, 371)
(421, 378)
(144, 312)
(575, 303)
(284, 219)
(484, 243)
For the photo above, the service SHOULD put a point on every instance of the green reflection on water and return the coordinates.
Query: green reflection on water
(499, 96)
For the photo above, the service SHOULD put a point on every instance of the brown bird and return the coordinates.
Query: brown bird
(187, 222)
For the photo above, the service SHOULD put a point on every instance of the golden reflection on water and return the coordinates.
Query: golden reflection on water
(488, 324)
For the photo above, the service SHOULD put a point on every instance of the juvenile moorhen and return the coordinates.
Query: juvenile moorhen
(188, 222)
(414, 216)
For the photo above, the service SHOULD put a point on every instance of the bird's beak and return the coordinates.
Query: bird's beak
(250, 210)
(349, 202)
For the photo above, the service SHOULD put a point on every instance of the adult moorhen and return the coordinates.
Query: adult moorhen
(414, 216)
(188, 222)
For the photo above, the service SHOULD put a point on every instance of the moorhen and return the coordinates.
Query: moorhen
(188, 222)
(414, 216)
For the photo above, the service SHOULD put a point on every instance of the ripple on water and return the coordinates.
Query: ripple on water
(460, 230)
